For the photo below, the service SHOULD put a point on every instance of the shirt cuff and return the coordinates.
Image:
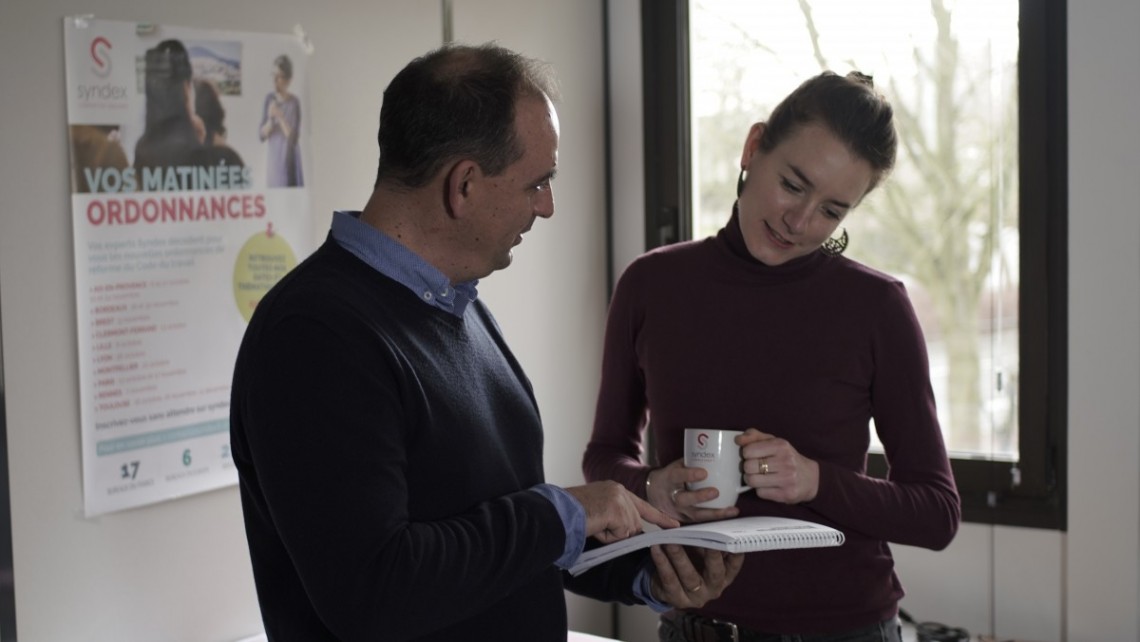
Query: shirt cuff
(641, 589)
(573, 520)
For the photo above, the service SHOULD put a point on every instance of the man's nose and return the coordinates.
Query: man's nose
(544, 204)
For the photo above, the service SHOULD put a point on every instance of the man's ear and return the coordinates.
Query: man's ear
(459, 187)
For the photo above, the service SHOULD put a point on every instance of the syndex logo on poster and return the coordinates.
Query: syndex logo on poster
(101, 66)
(101, 56)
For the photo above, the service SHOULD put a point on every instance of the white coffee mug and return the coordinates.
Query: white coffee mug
(717, 453)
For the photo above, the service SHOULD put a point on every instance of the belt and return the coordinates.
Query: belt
(698, 628)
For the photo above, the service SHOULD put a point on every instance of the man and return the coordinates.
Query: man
(388, 444)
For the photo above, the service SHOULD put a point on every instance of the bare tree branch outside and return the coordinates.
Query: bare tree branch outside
(945, 221)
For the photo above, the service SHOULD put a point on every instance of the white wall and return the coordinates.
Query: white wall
(180, 570)
(1103, 572)
(1083, 584)
(551, 303)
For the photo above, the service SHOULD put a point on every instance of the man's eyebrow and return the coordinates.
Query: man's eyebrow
(549, 176)
(807, 181)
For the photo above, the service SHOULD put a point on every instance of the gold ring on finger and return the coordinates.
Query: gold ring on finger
(764, 468)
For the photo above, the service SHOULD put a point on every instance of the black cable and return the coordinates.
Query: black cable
(935, 632)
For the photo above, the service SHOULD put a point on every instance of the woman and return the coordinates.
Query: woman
(173, 133)
(280, 126)
(765, 327)
(208, 107)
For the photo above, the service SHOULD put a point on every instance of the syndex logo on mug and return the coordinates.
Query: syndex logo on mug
(101, 66)
(702, 440)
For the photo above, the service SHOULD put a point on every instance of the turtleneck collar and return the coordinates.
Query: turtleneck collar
(730, 239)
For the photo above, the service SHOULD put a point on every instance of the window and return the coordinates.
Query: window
(972, 220)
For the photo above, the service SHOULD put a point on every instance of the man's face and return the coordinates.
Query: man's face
(522, 192)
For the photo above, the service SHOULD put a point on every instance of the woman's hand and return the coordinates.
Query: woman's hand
(776, 470)
(666, 490)
(688, 578)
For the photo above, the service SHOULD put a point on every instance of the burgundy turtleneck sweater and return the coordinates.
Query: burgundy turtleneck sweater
(700, 334)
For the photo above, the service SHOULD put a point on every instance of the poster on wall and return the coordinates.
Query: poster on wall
(190, 199)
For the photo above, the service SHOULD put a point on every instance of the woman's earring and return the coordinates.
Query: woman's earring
(835, 246)
(740, 183)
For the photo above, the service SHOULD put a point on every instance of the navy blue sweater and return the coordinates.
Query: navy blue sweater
(384, 449)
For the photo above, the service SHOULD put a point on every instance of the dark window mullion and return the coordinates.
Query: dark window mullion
(665, 92)
(1043, 122)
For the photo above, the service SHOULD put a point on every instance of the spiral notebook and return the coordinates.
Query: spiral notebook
(739, 535)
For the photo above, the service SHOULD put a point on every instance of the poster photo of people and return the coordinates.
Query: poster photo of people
(189, 201)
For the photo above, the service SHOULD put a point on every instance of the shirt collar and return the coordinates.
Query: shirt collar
(395, 261)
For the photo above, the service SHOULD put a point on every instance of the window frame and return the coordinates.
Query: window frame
(8, 588)
(1030, 492)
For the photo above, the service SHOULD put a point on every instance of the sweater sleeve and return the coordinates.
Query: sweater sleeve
(612, 581)
(918, 503)
(328, 444)
(615, 447)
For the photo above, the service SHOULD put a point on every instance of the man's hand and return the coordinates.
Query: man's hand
(688, 578)
(613, 513)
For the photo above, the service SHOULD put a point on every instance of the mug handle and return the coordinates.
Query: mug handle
(743, 489)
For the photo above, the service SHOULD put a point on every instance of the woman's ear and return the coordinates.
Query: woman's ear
(751, 144)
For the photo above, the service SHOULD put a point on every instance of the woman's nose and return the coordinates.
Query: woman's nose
(795, 218)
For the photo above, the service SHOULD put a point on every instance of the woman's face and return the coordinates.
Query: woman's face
(280, 80)
(798, 193)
